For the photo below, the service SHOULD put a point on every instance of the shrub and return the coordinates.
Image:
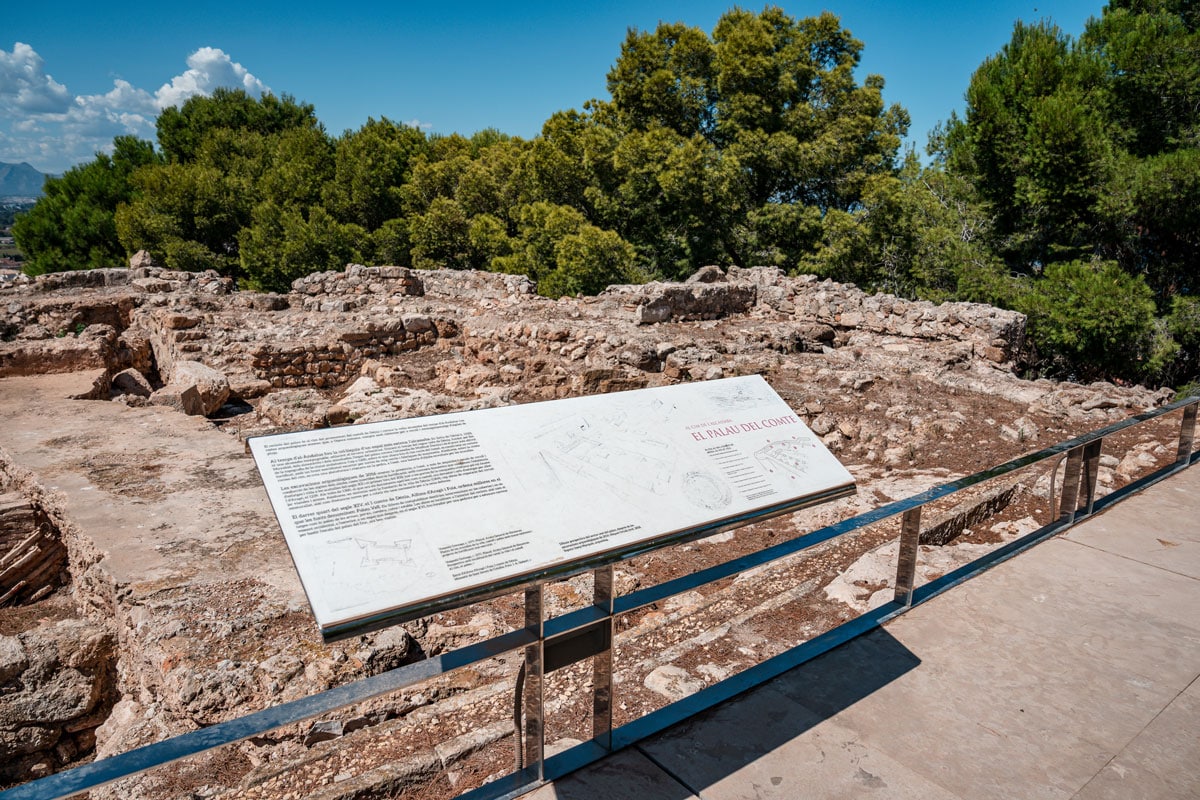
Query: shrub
(1092, 320)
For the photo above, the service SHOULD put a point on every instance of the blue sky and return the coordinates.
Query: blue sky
(74, 75)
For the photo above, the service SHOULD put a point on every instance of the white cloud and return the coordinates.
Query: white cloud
(24, 85)
(421, 126)
(123, 110)
(208, 68)
(44, 125)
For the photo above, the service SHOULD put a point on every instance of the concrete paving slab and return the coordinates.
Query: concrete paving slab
(1080, 618)
(1159, 651)
(1053, 728)
(627, 775)
(1162, 530)
(771, 748)
(971, 720)
(1162, 761)
(1085, 586)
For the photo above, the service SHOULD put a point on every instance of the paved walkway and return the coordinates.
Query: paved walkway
(1069, 671)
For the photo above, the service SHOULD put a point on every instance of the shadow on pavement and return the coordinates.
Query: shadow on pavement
(711, 745)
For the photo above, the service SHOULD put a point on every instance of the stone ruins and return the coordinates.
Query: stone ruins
(145, 589)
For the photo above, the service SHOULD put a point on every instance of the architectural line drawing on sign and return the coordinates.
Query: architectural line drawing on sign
(705, 490)
(377, 553)
(785, 456)
(620, 458)
(735, 398)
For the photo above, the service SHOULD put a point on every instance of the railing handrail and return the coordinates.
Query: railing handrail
(134, 762)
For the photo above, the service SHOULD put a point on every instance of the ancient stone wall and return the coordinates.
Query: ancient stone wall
(478, 286)
(330, 363)
(675, 302)
(320, 334)
(353, 288)
(995, 334)
(146, 279)
(57, 681)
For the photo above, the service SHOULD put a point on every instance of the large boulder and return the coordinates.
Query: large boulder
(210, 384)
(181, 398)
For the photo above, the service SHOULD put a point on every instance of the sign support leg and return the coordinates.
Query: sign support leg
(535, 722)
(1087, 480)
(602, 662)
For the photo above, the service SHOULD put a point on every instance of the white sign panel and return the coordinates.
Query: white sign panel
(382, 518)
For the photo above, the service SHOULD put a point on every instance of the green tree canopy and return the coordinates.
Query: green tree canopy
(72, 226)
(181, 131)
(1088, 152)
(371, 166)
(224, 155)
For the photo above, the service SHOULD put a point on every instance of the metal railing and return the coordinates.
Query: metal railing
(550, 644)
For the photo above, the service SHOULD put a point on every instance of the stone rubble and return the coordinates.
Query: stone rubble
(188, 601)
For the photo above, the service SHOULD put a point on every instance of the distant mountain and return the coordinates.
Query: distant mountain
(20, 180)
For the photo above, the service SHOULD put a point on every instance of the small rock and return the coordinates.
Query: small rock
(417, 323)
(249, 388)
(709, 274)
(141, 260)
(130, 381)
(672, 682)
(180, 322)
(390, 650)
(323, 731)
(12, 658)
(1098, 402)
(151, 285)
(823, 424)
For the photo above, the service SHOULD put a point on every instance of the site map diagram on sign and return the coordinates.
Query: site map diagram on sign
(382, 518)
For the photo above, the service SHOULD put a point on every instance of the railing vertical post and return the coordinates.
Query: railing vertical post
(1087, 480)
(535, 721)
(602, 663)
(1070, 488)
(1187, 435)
(906, 562)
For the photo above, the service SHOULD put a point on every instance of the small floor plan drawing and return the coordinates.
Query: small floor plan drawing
(376, 554)
(704, 490)
(787, 456)
(356, 568)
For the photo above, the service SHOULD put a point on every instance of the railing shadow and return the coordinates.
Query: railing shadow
(711, 740)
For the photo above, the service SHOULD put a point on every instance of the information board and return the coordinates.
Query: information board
(383, 518)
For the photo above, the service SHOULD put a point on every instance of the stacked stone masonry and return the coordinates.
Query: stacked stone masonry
(322, 333)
